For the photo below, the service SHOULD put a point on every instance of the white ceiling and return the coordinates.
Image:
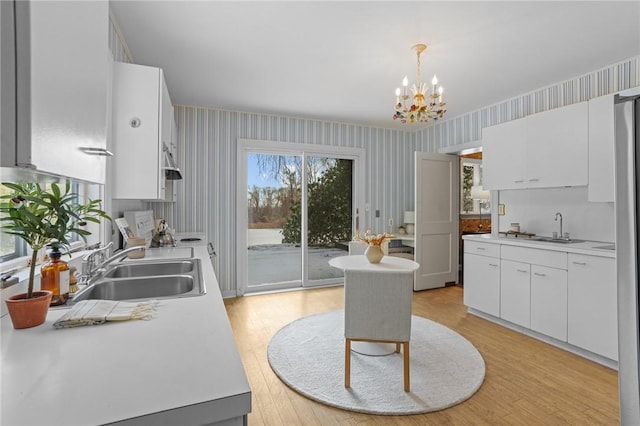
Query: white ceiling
(341, 61)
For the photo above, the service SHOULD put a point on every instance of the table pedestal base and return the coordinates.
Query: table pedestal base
(373, 348)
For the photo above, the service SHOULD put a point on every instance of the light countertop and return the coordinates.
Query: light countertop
(594, 248)
(180, 367)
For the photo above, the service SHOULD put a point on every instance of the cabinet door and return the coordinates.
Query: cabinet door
(515, 288)
(136, 133)
(69, 83)
(593, 302)
(503, 155)
(482, 283)
(601, 149)
(549, 301)
(557, 147)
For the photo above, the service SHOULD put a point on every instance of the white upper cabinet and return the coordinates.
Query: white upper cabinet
(601, 149)
(545, 150)
(142, 126)
(63, 83)
(504, 156)
(557, 147)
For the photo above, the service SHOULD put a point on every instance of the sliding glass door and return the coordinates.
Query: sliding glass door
(274, 191)
(329, 204)
(299, 208)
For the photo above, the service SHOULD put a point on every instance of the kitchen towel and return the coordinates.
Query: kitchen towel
(94, 312)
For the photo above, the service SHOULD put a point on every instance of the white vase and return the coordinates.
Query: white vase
(410, 228)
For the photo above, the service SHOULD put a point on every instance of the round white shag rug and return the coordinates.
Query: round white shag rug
(308, 356)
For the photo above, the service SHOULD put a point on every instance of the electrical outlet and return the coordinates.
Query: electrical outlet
(366, 207)
(390, 222)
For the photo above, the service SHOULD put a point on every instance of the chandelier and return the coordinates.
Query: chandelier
(419, 110)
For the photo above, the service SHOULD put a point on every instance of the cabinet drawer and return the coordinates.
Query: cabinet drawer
(483, 249)
(552, 259)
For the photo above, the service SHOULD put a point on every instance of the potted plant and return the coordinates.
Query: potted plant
(42, 217)
(402, 229)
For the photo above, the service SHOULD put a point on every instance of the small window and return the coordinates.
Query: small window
(12, 247)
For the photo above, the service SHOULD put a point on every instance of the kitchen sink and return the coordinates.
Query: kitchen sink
(150, 268)
(147, 280)
(555, 240)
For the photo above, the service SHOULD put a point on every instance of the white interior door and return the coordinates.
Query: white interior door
(436, 224)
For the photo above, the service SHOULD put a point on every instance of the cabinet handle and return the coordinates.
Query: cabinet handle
(89, 150)
(480, 248)
(579, 263)
(539, 274)
(522, 270)
(493, 264)
(519, 181)
(534, 180)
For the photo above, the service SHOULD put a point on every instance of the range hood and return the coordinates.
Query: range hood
(171, 170)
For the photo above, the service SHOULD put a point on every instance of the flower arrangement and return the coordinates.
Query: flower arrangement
(375, 240)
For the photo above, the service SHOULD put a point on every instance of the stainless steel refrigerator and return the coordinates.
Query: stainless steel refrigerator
(627, 160)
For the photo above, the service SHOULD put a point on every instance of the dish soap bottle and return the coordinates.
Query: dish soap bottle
(54, 276)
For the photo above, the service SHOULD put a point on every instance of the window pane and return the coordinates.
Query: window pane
(8, 243)
(11, 246)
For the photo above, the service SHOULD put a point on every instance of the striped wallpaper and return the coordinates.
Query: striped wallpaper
(207, 141)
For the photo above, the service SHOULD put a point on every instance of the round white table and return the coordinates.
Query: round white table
(388, 264)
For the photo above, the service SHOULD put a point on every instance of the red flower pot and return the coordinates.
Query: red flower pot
(26, 313)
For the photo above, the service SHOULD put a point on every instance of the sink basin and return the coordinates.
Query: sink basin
(555, 240)
(147, 280)
(150, 268)
(160, 287)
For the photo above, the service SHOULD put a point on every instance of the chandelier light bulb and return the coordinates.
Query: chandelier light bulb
(405, 81)
(434, 81)
(398, 91)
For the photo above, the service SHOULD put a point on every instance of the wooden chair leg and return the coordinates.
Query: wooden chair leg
(347, 363)
(407, 385)
(397, 348)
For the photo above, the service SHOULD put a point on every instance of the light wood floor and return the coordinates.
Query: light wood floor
(527, 382)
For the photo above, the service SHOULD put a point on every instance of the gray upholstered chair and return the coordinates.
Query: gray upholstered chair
(378, 309)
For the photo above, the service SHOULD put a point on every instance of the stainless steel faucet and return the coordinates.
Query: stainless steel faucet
(92, 259)
(560, 235)
(119, 255)
(89, 269)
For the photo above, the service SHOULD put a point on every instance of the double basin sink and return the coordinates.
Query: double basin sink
(555, 240)
(151, 279)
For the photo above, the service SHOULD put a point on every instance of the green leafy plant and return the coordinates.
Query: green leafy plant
(44, 217)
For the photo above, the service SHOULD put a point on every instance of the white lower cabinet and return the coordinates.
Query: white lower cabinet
(569, 297)
(592, 314)
(515, 292)
(538, 295)
(482, 277)
(549, 301)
